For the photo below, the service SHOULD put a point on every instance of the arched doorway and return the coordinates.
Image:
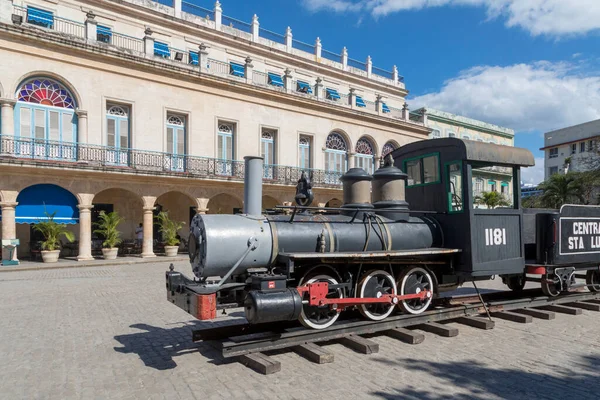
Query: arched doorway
(336, 157)
(334, 203)
(45, 119)
(224, 204)
(269, 203)
(127, 204)
(36, 203)
(180, 208)
(365, 155)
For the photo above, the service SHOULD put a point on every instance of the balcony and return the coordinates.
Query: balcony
(202, 62)
(85, 156)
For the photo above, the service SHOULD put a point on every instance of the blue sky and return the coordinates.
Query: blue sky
(530, 65)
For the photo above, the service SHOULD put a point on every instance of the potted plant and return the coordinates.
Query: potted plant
(52, 231)
(107, 227)
(168, 228)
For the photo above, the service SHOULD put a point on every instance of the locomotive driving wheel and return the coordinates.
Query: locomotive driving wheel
(592, 278)
(414, 280)
(320, 317)
(374, 285)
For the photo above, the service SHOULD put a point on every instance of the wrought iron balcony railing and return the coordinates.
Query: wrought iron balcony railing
(79, 155)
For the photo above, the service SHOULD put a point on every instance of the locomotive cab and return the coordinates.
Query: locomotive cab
(473, 190)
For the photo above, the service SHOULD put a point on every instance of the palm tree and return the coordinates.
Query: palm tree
(560, 189)
(492, 200)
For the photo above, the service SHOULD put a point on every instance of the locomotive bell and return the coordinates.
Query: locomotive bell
(357, 188)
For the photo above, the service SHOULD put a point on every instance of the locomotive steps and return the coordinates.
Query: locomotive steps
(249, 343)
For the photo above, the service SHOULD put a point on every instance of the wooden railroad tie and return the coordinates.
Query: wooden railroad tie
(585, 305)
(405, 335)
(438, 329)
(360, 344)
(261, 363)
(562, 309)
(541, 314)
(476, 322)
(514, 317)
(314, 353)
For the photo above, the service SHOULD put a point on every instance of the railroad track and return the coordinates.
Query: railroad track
(250, 342)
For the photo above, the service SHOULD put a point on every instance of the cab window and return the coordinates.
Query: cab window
(454, 187)
(423, 170)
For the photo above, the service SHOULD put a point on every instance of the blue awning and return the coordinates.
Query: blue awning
(332, 94)
(303, 87)
(237, 70)
(492, 182)
(385, 108)
(39, 17)
(275, 79)
(360, 102)
(161, 49)
(194, 58)
(504, 184)
(103, 30)
(35, 201)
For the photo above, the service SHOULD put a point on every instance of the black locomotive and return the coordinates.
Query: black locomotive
(378, 255)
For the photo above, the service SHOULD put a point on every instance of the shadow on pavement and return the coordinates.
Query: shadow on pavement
(479, 381)
(158, 347)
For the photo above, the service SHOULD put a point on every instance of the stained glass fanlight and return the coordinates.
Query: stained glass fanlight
(387, 149)
(46, 92)
(335, 141)
(363, 146)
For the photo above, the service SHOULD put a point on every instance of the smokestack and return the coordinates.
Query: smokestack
(253, 173)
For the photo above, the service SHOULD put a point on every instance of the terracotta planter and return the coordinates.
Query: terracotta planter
(171, 251)
(50, 256)
(110, 254)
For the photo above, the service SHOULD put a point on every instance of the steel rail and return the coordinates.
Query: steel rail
(284, 337)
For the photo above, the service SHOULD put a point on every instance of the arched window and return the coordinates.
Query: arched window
(267, 148)
(387, 149)
(225, 149)
(365, 155)
(304, 152)
(436, 134)
(336, 156)
(176, 141)
(45, 112)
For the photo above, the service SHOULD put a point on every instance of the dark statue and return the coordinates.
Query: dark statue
(304, 194)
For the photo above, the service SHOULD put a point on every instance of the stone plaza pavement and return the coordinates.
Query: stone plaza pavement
(109, 333)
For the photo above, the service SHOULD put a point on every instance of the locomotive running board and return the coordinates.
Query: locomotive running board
(290, 337)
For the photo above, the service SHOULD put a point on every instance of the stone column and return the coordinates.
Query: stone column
(6, 11)
(288, 40)
(148, 224)
(351, 160)
(248, 70)
(218, 15)
(424, 115)
(318, 49)
(148, 42)
(395, 74)
(85, 232)
(319, 89)
(369, 67)
(255, 28)
(405, 112)
(352, 98)
(8, 116)
(287, 81)
(345, 58)
(202, 204)
(91, 26)
(82, 126)
(9, 229)
(379, 104)
(202, 57)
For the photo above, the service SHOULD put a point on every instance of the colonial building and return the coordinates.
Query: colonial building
(445, 124)
(573, 148)
(135, 106)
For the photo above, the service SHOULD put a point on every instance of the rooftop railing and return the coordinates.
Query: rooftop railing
(80, 155)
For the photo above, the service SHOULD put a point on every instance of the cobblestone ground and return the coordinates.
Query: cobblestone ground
(109, 333)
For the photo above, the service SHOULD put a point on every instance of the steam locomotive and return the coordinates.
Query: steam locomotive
(376, 254)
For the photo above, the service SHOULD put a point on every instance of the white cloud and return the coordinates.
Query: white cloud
(535, 174)
(525, 97)
(549, 17)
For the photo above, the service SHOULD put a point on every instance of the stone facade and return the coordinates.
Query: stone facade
(138, 106)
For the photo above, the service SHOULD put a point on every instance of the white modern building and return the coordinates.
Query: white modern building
(574, 148)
